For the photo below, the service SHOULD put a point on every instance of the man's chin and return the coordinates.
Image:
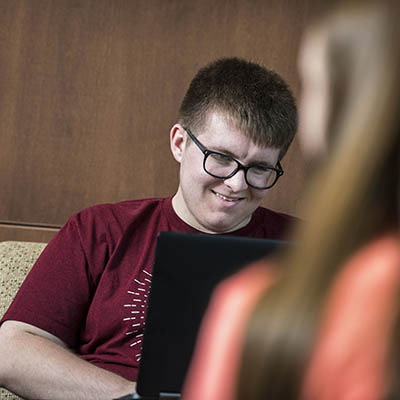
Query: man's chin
(222, 226)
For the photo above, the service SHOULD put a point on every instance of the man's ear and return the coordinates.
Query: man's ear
(177, 140)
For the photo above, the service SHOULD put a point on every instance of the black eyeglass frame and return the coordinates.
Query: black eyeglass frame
(279, 170)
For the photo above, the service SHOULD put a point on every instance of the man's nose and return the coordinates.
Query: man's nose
(237, 182)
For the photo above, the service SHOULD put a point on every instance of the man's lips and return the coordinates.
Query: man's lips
(228, 198)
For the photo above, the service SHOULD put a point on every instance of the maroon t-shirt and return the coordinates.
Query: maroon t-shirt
(90, 285)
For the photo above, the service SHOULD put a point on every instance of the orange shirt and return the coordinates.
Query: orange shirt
(350, 357)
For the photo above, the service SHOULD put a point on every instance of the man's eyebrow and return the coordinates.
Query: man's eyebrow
(222, 151)
(226, 152)
(261, 164)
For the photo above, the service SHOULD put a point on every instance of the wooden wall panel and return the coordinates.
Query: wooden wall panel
(89, 90)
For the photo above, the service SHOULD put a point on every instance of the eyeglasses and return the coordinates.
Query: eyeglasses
(223, 166)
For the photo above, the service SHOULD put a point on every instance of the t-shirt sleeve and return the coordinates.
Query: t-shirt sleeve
(57, 292)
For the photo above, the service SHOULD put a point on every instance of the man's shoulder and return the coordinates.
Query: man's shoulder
(123, 207)
(121, 214)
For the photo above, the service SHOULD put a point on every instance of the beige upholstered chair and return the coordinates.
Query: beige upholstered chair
(16, 259)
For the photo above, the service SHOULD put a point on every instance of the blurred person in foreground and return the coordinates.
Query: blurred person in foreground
(321, 321)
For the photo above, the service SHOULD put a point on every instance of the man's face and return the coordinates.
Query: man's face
(210, 204)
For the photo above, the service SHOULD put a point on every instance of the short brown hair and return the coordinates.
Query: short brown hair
(257, 98)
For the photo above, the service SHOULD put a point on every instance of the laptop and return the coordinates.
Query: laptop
(187, 267)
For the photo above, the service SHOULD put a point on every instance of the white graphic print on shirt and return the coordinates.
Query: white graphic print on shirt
(137, 310)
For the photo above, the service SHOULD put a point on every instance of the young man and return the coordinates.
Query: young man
(75, 328)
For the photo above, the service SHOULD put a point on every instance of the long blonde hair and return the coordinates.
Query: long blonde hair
(352, 198)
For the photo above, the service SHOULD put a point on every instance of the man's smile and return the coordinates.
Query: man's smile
(226, 198)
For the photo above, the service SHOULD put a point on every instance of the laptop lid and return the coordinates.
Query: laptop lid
(187, 267)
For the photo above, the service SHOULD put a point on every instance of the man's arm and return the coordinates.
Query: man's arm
(36, 364)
